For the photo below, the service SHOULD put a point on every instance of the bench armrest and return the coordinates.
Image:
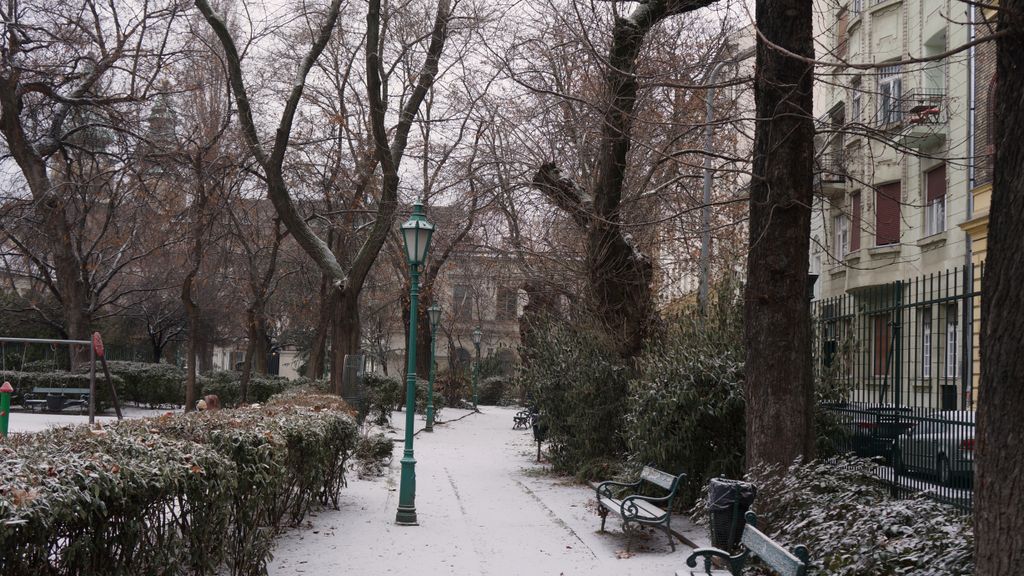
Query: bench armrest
(734, 564)
(604, 488)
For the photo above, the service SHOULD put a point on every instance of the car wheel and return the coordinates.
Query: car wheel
(942, 472)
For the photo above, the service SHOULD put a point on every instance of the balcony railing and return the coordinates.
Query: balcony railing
(830, 169)
(923, 106)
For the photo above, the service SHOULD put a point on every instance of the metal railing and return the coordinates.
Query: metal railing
(923, 106)
(895, 367)
(830, 169)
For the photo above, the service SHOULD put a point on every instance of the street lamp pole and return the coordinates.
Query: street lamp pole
(434, 312)
(477, 336)
(416, 233)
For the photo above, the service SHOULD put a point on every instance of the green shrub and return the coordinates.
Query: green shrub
(580, 384)
(686, 409)
(381, 395)
(47, 365)
(76, 502)
(373, 454)
(150, 384)
(852, 526)
(173, 494)
(493, 389)
(226, 385)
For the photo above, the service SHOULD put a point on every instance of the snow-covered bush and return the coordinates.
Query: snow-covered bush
(493, 389)
(579, 384)
(685, 409)
(226, 385)
(149, 383)
(174, 494)
(381, 394)
(373, 453)
(852, 526)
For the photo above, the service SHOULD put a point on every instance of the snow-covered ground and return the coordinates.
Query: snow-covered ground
(484, 507)
(38, 421)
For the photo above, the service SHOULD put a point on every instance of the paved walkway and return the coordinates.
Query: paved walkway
(484, 508)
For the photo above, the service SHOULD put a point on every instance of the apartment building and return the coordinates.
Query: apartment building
(894, 136)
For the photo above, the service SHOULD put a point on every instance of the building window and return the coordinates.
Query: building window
(890, 89)
(857, 6)
(951, 341)
(883, 341)
(926, 343)
(935, 209)
(462, 302)
(855, 225)
(855, 106)
(887, 214)
(842, 230)
(505, 308)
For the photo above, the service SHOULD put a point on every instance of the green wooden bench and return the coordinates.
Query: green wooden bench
(57, 399)
(754, 543)
(621, 499)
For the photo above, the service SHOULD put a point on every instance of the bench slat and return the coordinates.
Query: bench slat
(655, 476)
(775, 556)
(644, 508)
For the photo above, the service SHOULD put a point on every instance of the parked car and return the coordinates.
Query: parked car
(940, 444)
(874, 429)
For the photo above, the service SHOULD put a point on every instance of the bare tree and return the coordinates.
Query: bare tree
(68, 70)
(346, 282)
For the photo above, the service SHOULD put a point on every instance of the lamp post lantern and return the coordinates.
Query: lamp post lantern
(416, 233)
(477, 336)
(434, 312)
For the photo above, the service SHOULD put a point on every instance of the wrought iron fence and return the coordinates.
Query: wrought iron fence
(897, 371)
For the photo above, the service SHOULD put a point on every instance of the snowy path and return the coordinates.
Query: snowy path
(484, 508)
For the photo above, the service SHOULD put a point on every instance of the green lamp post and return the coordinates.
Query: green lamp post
(434, 312)
(416, 233)
(477, 336)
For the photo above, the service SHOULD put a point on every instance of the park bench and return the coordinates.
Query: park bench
(622, 499)
(754, 543)
(524, 419)
(57, 399)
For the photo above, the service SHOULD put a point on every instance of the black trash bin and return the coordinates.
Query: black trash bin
(540, 431)
(728, 502)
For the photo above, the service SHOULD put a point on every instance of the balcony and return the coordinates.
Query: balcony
(924, 119)
(830, 174)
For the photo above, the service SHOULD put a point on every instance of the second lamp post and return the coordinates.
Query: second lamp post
(477, 336)
(416, 233)
(434, 313)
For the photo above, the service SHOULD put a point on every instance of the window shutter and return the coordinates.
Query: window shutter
(855, 225)
(887, 214)
(935, 180)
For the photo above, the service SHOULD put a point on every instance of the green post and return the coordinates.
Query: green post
(416, 233)
(5, 407)
(476, 373)
(430, 382)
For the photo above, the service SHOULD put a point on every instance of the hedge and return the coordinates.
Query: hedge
(149, 383)
(173, 494)
(226, 385)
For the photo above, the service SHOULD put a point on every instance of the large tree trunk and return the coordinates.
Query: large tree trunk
(779, 392)
(318, 348)
(250, 350)
(345, 336)
(192, 313)
(999, 492)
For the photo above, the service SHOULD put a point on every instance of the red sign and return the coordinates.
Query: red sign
(97, 344)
